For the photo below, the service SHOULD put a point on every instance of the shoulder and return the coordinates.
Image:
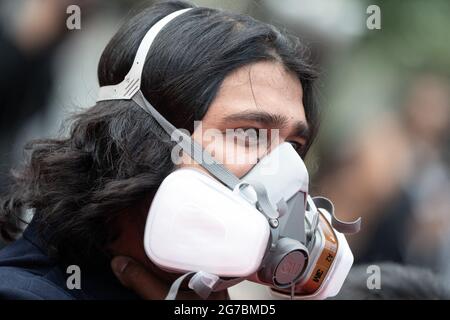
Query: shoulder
(27, 273)
(16, 283)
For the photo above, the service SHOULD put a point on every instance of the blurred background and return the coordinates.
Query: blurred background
(383, 149)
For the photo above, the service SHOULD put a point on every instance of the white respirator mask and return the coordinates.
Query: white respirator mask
(219, 230)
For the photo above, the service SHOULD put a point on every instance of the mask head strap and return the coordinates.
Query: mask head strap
(132, 82)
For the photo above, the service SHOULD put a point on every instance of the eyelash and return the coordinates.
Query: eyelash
(298, 147)
(245, 132)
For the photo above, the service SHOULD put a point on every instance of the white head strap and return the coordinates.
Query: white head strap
(132, 82)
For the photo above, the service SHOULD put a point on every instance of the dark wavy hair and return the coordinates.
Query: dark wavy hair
(115, 154)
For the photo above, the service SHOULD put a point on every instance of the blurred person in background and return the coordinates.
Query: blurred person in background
(27, 45)
(427, 126)
(364, 175)
(26, 55)
(29, 40)
(385, 152)
(395, 173)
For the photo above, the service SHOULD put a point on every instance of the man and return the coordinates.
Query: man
(91, 191)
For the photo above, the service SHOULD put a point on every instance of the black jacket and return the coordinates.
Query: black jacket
(27, 272)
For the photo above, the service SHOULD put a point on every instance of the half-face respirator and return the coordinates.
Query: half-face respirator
(219, 229)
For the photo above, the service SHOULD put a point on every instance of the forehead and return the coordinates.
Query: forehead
(261, 86)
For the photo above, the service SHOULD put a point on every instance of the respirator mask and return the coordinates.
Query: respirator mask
(219, 229)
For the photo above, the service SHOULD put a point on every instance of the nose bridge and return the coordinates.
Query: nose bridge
(282, 172)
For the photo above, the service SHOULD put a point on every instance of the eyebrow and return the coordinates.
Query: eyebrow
(271, 120)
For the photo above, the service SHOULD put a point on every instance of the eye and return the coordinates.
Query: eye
(298, 147)
(247, 136)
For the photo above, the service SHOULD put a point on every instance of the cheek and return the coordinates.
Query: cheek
(235, 156)
(239, 170)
